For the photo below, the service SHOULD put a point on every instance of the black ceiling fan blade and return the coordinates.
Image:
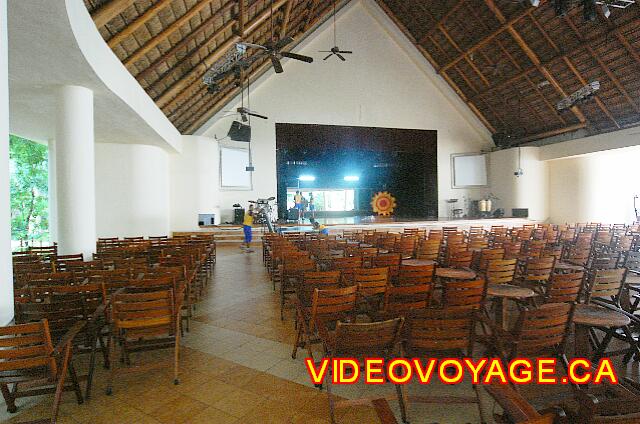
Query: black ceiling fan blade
(296, 56)
(341, 57)
(328, 56)
(283, 42)
(346, 52)
(257, 115)
(276, 64)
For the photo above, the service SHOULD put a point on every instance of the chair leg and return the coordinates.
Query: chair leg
(332, 409)
(92, 365)
(401, 390)
(634, 349)
(75, 384)
(480, 410)
(112, 354)
(602, 348)
(60, 384)
(176, 359)
(296, 343)
(9, 399)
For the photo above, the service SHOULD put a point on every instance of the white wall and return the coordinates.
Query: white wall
(6, 277)
(597, 187)
(385, 83)
(194, 182)
(527, 191)
(132, 190)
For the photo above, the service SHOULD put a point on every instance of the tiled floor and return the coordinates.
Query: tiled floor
(236, 367)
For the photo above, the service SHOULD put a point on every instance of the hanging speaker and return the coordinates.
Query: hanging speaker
(239, 132)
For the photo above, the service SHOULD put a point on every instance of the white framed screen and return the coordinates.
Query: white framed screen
(469, 170)
(233, 168)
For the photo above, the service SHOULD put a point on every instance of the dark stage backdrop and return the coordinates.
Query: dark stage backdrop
(401, 161)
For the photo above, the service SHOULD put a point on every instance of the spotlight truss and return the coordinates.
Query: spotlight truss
(583, 94)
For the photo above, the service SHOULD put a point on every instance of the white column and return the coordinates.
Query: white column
(53, 200)
(75, 171)
(6, 274)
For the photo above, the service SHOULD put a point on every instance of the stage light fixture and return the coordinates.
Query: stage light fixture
(307, 178)
(535, 3)
(351, 178)
(606, 11)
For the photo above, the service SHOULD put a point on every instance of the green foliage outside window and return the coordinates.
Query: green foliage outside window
(29, 190)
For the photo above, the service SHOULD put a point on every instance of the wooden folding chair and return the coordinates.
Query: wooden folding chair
(372, 284)
(64, 307)
(292, 271)
(448, 332)
(141, 321)
(305, 289)
(412, 275)
(327, 307)
(31, 366)
(429, 249)
(377, 339)
(391, 261)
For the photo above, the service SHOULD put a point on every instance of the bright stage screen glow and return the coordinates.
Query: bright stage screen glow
(307, 178)
(351, 178)
(326, 200)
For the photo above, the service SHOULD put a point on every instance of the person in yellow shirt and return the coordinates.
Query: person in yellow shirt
(320, 228)
(247, 226)
(297, 200)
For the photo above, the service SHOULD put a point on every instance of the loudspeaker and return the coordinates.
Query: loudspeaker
(239, 132)
(238, 216)
(293, 214)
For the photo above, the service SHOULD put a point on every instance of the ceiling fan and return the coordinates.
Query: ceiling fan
(335, 50)
(273, 49)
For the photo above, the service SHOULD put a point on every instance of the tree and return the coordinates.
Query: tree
(29, 190)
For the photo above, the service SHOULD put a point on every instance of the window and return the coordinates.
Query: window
(233, 168)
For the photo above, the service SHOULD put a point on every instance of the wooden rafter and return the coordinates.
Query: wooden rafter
(604, 67)
(533, 57)
(505, 25)
(241, 16)
(312, 9)
(110, 10)
(128, 30)
(184, 86)
(207, 110)
(185, 43)
(430, 59)
(285, 20)
(440, 22)
(165, 33)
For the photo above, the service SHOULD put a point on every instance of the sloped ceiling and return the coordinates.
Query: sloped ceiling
(511, 62)
(508, 61)
(168, 45)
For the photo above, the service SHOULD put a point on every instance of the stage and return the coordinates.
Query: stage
(233, 233)
(336, 225)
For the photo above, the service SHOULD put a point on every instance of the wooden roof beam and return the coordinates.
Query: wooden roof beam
(533, 57)
(165, 33)
(184, 42)
(312, 10)
(209, 112)
(567, 53)
(604, 67)
(198, 91)
(506, 24)
(110, 10)
(182, 86)
(553, 133)
(285, 20)
(128, 30)
(426, 54)
(440, 22)
(241, 16)
(583, 82)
